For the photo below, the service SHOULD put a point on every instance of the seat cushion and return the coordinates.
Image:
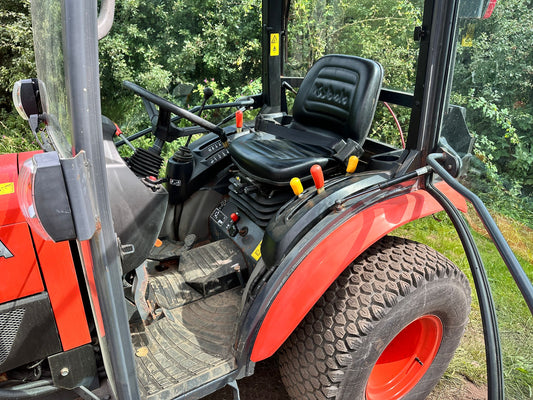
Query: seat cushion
(339, 94)
(276, 161)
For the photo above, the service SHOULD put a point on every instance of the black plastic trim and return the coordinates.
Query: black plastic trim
(31, 323)
(486, 304)
(516, 270)
(296, 218)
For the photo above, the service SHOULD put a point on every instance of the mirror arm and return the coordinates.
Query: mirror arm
(105, 18)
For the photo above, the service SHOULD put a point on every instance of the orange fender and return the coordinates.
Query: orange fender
(319, 269)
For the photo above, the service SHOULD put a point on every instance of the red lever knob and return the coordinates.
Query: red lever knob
(118, 131)
(238, 119)
(234, 217)
(318, 177)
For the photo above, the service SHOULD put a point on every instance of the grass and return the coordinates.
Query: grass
(15, 134)
(514, 319)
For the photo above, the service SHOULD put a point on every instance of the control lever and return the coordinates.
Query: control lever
(352, 165)
(239, 120)
(208, 92)
(233, 229)
(318, 178)
(120, 134)
(287, 85)
(296, 186)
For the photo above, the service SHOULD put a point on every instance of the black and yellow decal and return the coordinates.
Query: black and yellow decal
(256, 254)
(274, 44)
(7, 188)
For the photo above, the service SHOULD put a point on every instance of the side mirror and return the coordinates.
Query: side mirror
(476, 8)
(27, 99)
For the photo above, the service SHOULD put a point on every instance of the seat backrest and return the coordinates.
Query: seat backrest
(339, 96)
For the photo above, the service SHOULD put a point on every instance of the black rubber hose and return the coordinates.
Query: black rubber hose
(489, 321)
(514, 267)
(29, 390)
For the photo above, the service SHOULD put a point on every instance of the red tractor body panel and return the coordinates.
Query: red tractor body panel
(61, 282)
(19, 272)
(8, 186)
(332, 255)
(34, 259)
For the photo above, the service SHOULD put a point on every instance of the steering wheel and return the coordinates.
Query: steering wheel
(166, 107)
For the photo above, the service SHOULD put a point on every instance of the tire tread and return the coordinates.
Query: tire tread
(362, 295)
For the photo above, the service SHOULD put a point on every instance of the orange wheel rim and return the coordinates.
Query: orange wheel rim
(405, 359)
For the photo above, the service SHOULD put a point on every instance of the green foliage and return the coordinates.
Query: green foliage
(182, 41)
(16, 134)
(176, 45)
(514, 318)
(16, 47)
(381, 31)
(16, 62)
(493, 79)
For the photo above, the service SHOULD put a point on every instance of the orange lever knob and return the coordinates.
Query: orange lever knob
(318, 177)
(296, 186)
(239, 119)
(352, 164)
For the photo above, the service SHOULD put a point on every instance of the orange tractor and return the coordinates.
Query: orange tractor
(116, 280)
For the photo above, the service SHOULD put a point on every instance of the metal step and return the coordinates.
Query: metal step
(188, 346)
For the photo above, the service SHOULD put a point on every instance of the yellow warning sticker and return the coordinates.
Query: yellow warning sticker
(274, 44)
(256, 255)
(7, 188)
(468, 38)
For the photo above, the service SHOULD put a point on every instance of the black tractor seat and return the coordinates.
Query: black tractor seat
(275, 161)
(332, 115)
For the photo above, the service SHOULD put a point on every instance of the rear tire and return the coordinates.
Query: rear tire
(399, 301)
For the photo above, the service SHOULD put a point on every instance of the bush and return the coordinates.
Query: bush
(16, 47)
(16, 134)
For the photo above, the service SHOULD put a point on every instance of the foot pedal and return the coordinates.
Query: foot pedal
(167, 251)
(213, 268)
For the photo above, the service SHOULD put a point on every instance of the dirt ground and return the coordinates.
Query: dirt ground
(266, 384)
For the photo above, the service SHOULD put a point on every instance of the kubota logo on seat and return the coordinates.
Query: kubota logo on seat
(335, 96)
(4, 251)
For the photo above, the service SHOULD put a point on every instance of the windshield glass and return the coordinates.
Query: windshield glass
(46, 21)
(381, 31)
(377, 30)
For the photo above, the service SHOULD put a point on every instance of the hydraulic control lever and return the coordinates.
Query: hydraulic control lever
(208, 92)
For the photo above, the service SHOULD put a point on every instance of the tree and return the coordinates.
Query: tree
(494, 80)
(16, 47)
(182, 41)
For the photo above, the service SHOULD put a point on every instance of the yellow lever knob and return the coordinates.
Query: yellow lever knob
(352, 164)
(296, 186)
